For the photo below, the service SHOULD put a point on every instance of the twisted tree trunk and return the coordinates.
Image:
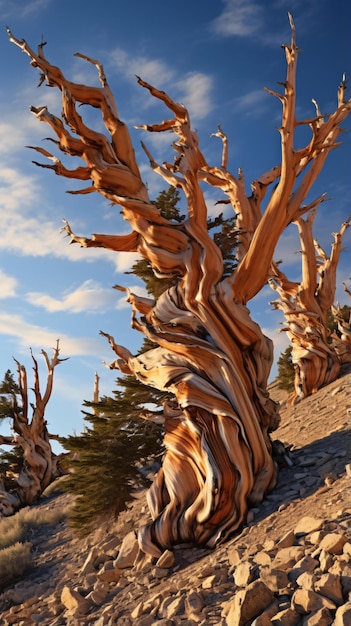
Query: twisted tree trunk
(40, 464)
(342, 341)
(210, 353)
(305, 306)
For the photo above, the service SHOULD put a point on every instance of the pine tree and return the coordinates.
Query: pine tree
(104, 460)
(286, 370)
(10, 460)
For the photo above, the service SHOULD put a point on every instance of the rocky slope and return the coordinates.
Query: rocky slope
(291, 564)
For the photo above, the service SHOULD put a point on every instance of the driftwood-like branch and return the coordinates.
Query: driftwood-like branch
(210, 354)
(40, 464)
(342, 339)
(305, 306)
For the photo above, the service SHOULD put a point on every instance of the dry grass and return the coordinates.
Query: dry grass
(14, 562)
(15, 550)
(15, 528)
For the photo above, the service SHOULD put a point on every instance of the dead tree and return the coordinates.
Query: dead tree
(211, 354)
(305, 306)
(342, 339)
(40, 465)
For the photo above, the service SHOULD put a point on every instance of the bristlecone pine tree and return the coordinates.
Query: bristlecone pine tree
(211, 355)
(37, 465)
(342, 333)
(107, 462)
(305, 306)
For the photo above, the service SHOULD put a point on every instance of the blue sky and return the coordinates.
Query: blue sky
(215, 57)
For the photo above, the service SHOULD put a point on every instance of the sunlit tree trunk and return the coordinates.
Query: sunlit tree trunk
(40, 465)
(211, 354)
(305, 306)
(342, 340)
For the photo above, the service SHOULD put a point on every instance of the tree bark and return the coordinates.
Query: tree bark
(40, 464)
(305, 306)
(210, 353)
(342, 341)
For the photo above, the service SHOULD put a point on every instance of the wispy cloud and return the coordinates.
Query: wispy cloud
(8, 286)
(89, 297)
(240, 18)
(22, 235)
(254, 102)
(153, 71)
(39, 337)
(21, 8)
(196, 90)
(192, 89)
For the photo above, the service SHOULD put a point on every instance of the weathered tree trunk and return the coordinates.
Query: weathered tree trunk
(40, 464)
(210, 353)
(305, 306)
(342, 341)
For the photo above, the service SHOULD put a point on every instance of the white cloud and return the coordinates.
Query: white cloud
(39, 337)
(16, 190)
(38, 236)
(125, 260)
(196, 94)
(89, 297)
(152, 71)
(8, 286)
(241, 18)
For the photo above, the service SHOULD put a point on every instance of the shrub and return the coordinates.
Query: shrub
(14, 529)
(14, 562)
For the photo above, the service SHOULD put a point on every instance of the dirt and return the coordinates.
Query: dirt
(318, 434)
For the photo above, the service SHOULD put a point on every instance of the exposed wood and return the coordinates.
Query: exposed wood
(305, 306)
(210, 353)
(342, 341)
(40, 464)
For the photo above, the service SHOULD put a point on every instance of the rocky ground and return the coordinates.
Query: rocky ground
(291, 564)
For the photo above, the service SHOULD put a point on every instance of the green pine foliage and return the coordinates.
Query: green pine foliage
(332, 324)
(105, 460)
(286, 371)
(10, 460)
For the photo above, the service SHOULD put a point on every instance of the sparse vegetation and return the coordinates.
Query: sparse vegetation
(15, 549)
(14, 562)
(16, 528)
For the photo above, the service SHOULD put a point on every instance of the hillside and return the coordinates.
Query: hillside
(289, 565)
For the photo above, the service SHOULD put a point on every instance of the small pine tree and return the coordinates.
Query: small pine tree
(10, 460)
(286, 372)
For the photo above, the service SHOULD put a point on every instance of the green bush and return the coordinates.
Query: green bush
(14, 562)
